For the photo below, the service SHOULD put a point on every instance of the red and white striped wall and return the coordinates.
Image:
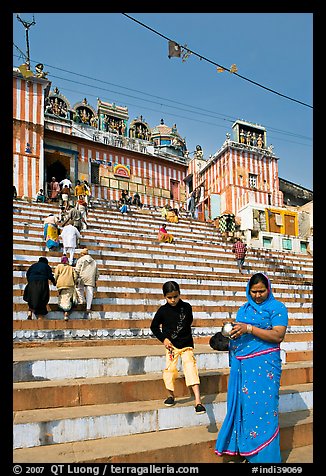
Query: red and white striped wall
(28, 116)
(228, 175)
(152, 172)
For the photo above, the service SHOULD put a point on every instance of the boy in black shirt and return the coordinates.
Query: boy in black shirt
(172, 326)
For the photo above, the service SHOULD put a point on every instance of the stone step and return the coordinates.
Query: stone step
(214, 285)
(143, 311)
(70, 392)
(89, 361)
(302, 454)
(176, 251)
(177, 445)
(296, 355)
(139, 308)
(163, 261)
(121, 239)
(97, 215)
(171, 446)
(179, 228)
(128, 329)
(297, 351)
(295, 325)
(143, 239)
(190, 285)
(32, 364)
(85, 379)
(104, 289)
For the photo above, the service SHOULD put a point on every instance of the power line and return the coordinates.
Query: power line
(212, 114)
(216, 64)
(179, 108)
(277, 131)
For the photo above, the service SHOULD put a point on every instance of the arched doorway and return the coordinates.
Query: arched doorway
(57, 170)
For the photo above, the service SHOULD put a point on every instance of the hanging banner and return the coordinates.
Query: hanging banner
(174, 49)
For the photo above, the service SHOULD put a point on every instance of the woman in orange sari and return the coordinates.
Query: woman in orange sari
(163, 236)
(171, 216)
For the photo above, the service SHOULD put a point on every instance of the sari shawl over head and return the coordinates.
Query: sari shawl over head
(251, 422)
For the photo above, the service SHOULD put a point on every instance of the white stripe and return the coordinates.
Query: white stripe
(25, 175)
(150, 175)
(18, 96)
(231, 168)
(35, 108)
(155, 176)
(34, 142)
(34, 184)
(26, 140)
(165, 173)
(41, 115)
(144, 168)
(27, 103)
(41, 165)
(16, 170)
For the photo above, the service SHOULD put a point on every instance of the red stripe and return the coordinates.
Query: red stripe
(262, 352)
(263, 445)
(249, 453)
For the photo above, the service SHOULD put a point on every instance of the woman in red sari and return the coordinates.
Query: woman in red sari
(163, 236)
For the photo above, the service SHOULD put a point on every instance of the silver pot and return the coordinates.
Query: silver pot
(226, 329)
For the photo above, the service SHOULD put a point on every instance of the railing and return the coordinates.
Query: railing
(116, 140)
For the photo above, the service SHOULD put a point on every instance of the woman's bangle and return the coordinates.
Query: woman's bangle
(249, 329)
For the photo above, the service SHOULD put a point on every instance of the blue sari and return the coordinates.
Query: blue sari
(251, 425)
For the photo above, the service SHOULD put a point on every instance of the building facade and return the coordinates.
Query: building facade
(54, 139)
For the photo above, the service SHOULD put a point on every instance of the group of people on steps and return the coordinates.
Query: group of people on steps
(251, 425)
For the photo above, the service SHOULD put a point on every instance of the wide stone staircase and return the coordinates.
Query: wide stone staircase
(91, 390)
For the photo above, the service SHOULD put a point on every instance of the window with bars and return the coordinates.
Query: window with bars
(252, 181)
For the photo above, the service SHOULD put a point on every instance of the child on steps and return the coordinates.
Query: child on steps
(172, 326)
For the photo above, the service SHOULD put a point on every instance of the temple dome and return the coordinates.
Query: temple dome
(162, 129)
(168, 139)
(167, 133)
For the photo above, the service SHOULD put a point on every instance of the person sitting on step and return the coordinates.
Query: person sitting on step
(163, 236)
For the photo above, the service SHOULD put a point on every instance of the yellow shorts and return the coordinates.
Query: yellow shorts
(189, 367)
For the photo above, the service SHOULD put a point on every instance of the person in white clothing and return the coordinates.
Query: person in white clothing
(66, 182)
(87, 275)
(69, 236)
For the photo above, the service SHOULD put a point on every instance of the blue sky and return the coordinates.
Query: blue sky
(128, 64)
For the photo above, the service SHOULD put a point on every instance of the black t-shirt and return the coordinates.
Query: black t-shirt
(174, 323)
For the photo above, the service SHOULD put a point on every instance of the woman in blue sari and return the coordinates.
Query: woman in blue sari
(251, 425)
